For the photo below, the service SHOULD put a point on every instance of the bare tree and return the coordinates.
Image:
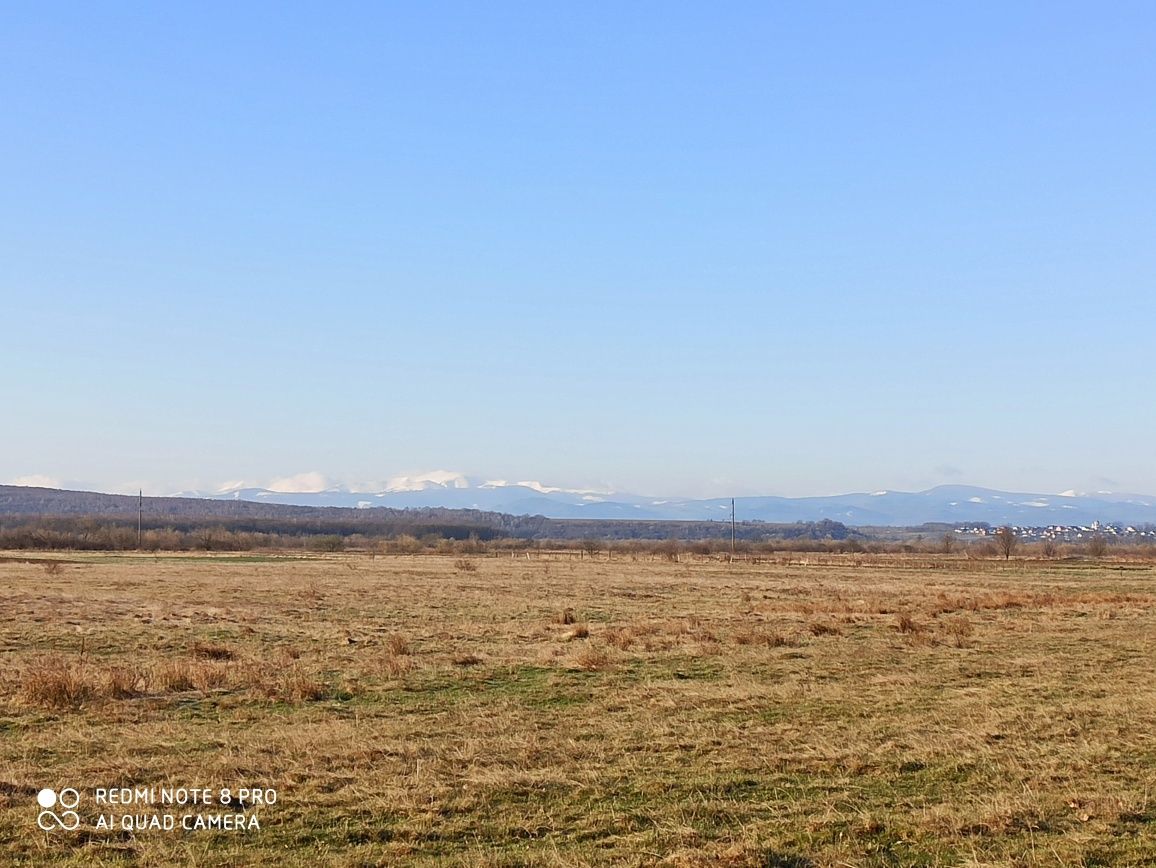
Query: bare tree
(1097, 546)
(1006, 541)
(947, 543)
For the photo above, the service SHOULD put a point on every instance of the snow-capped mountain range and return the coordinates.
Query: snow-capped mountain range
(945, 503)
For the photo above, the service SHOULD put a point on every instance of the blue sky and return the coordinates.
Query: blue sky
(665, 248)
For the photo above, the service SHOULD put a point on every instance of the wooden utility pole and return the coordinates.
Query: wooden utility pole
(139, 517)
(732, 528)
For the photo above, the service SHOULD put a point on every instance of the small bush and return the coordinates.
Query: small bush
(580, 631)
(465, 565)
(53, 568)
(329, 543)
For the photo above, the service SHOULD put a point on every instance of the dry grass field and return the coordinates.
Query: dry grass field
(817, 711)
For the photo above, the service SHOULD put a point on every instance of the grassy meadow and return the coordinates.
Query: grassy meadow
(798, 711)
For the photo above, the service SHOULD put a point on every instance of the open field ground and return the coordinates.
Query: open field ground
(425, 710)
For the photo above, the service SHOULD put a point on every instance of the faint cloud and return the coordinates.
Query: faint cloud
(142, 486)
(233, 485)
(302, 483)
(949, 471)
(36, 480)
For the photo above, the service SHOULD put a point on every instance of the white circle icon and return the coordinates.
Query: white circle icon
(46, 798)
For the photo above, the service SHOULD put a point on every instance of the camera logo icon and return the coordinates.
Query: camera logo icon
(67, 819)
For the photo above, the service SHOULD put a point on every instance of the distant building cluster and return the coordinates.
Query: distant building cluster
(1066, 532)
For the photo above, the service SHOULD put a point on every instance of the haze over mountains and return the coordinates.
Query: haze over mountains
(955, 504)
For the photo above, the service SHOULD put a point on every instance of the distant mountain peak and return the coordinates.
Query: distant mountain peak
(949, 504)
(422, 481)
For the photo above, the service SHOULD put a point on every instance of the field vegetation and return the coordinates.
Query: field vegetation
(595, 706)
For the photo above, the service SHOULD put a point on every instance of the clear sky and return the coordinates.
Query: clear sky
(670, 248)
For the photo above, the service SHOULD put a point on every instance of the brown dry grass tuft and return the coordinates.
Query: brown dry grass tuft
(467, 659)
(762, 637)
(580, 631)
(296, 685)
(566, 616)
(904, 623)
(960, 629)
(58, 683)
(396, 665)
(212, 651)
(174, 676)
(820, 628)
(464, 565)
(592, 658)
(126, 682)
(621, 638)
(397, 645)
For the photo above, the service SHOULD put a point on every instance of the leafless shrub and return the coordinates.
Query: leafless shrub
(1006, 541)
(982, 550)
(465, 565)
(53, 568)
